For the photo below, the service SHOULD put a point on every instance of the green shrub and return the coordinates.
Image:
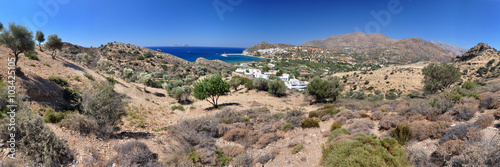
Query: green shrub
(71, 95)
(323, 89)
(31, 56)
(53, 117)
(104, 105)
(313, 114)
(335, 125)
(235, 82)
(329, 109)
(402, 133)
(277, 88)
(89, 76)
(296, 149)
(364, 151)
(134, 153)
(309, 123)
(285, 126)
(249, 85)
(391, 96)
(438, 76)
(367, 82)
(337, 132)
(35, 140)
(277, 115)
(260, 84)
(223, 159)
(469, 85)
(77, 78)
(194, 157)
(111, 80)
(173, 108)
(59, 81)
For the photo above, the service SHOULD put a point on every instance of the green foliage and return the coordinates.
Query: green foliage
(89, 76)
(367, 82)
(438, 76)
(482, 70)
(490, 63)
(31, 56)
(235, 83)
(322, 89)
(313, 114)
(296, 149)
(309, 123)
(194, 157)
(211, 87)
(128, 73)
(364, 151)
(329, 109)
(111, 80)
(277, 88)
(40, 37)
(148, 55)
(391, 96)
(54, 43)
(249, 85)
(104, 105)
(377, 92)
(469, 85)
(58, 80)
(181, 93)
(337, 132)
(18, 39)
(402, 133)
(335, 125)
(179, 107)
(35, 140)
(260, 84)
(277, 115)
(223, 159)
(53, 117)
(80, 123)
(285, 126)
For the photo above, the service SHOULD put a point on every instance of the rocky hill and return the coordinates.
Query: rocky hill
(265, 45)
(454, 49)
(377, 46)
(481, 62)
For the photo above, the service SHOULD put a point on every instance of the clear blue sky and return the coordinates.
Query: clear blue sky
(196, 22)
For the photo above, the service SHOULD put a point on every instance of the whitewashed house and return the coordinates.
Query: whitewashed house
(296, 84)
(285, 77)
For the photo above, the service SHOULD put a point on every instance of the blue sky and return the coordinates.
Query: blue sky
(247, 22)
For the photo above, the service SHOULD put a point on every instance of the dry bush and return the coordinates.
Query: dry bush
(458, 132)
(294, 118)
(390, 121)
(361, 126)
(80, 123)
(416, 117)
(420, 130)
(482, 153)
(228, 116)
(233, 151)
(313, 114)
(243, 160)
(447, 150)
(445, 117)
(194, 132)
(345, 115)
(438, 129)
(485, 120)
(491, 87)
(413, 107)
(310, 123)
(377, 115)
(134, 153)
(491, 102)
(266, 139)
(418, 156)
(464, 112)
(235, 134)
(496, 114)
(265, 158)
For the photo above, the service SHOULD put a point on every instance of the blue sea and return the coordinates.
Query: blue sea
(211, 53)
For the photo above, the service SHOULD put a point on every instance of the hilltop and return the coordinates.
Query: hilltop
(378, 47)
(454, 49)
(264, 45)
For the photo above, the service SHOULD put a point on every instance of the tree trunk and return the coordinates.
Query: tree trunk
(54, 54)
(40, 45)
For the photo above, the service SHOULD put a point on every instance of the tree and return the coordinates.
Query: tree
(40, 37)
(260, 84)
(438, 76)
(279, 73)
(54, 43)
(180, 93)
(1, 26)
(235, 83)
(211, 89)
(18, 38)
(325, 88)
(277, 88)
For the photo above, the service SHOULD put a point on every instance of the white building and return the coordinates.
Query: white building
(271, 65)
(241, 70)
(253, 72)
(296, 84)
(285, 77)
(261, 76)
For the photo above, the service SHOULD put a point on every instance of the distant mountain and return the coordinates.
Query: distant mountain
(265, 45)
(366, 47)
(453, 49)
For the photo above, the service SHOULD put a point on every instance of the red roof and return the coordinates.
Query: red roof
(305, 73)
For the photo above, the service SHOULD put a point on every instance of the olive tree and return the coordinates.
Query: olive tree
(439, 76)
(18, 39)
(54, 43)
(235, 83)
(322, 89)
(277, 88)
(40, 37)
(1, 26)
(210, 89)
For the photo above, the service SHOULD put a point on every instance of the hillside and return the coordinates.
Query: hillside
(454, 49)
(264, 45)
(481, 63)
(365, 47)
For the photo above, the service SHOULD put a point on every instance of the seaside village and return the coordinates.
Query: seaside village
(257, 73)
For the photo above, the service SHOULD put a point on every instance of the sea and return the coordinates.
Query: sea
(191, 53)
